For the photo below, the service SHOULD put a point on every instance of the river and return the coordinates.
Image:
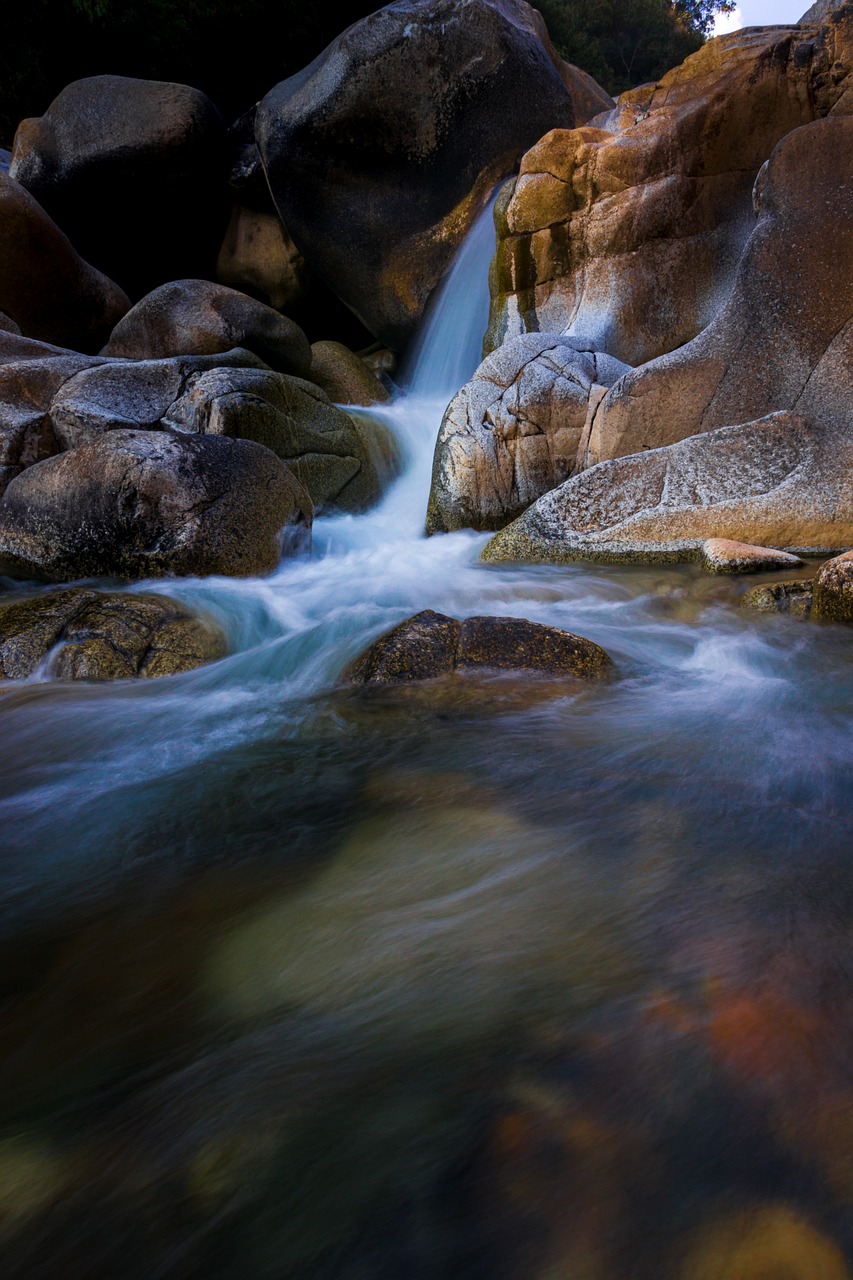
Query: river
(304, 983)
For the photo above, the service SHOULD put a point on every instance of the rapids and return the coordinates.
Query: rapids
(301, 983)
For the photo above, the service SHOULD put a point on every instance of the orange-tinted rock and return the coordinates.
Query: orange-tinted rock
(258, 257)
(343, 376)
(722, 555)
(833, 590)
(764, 1242)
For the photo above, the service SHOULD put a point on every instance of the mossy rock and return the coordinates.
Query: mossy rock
(430, 645)
(91, 635)
(794, 598)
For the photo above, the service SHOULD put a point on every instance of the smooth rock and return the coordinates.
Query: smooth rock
(344, 377)
(760, 1242)
(722, 555)
(382, 152)
(121, 394)
(134, 171)
(198, 317)
(780, 597)
(90, 635)
(139, 504)
(629, 231)
(430, 645)
(46, 288)
(343, 460)
(833, 590)
(513, 432)
(258, 257)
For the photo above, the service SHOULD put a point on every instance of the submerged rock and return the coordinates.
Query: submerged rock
(429, 645)
(46, 288)
(134, 172)
(514, 431)
(197, 317)
(89, 635)
(780, 597)
(138, 504)
(722, 555)
(380, 154)
(833, 590)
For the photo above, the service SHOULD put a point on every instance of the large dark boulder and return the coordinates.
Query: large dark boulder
(380, 154)
(92, 635)
(46, 288)
(134, 171)
(197, 317)
(138, 504)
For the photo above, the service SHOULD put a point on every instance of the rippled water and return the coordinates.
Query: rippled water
(312, 984)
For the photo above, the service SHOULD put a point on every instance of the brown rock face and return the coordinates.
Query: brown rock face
(95, 636)
(381, 153)
(46, 288)
(197, 317)
(722, 555)
(343, 376)
(137, 504)
(258, 257)
(628, 232)
(513, 432)
(429, 645)
(780, 351)
(833, 590)
(134, 171)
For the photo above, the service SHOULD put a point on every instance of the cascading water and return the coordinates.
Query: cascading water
(304, 985)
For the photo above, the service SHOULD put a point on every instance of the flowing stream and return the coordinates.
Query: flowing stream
(307, 984)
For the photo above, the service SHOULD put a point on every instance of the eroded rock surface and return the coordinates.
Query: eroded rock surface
(628, 231)
(138, 504)
(90, 635)
(514, 431)
(382, 152)
(833, 590)
(198, 317)
(429, 645)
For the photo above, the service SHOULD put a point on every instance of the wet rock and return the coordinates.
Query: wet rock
(342, 460)
(722, 555)
(429, 645)
(344, 377)
(137, 504)
(95, 636)
(381, 153)
(514, 431)
(259, 257)
(780, 597)
(833, 590)
(761, 1241)
(628, 231)
(780, 349)
(197, 317)
(116, 394)
(134, 171)
(46, 289)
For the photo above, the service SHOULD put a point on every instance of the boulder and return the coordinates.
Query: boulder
(833, 590)
(794, 598)
(258, 257)
(513, 432)
(342, 460)
(90, 635)
(137, 504)
(780, 350)
(722, 555)
(629, 231)
(789, 305)
(431, 645)
(382, 152)
(197, 317)
(46, 289)
(117, 394)
(134, 171)
(7, 324)
(343, 376)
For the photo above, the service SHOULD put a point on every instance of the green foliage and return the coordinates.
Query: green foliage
(628, 42)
